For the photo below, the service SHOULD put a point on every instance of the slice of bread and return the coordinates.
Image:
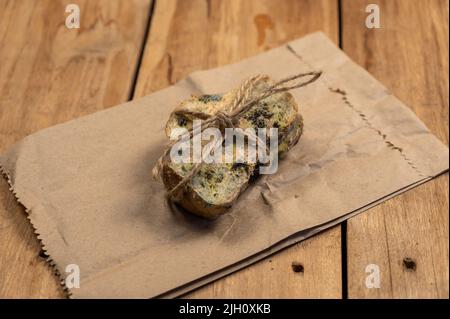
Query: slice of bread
(216, 186)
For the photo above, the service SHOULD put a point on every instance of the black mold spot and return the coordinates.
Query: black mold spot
(182, 121)
(208, 174)
(219, 178)
(260, 122)
(297, 267)
(238, 165)
(409, 264)
(258, 115)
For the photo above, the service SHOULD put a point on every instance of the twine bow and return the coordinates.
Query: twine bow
(242, 102)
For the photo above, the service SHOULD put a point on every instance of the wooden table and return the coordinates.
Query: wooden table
(125, 49)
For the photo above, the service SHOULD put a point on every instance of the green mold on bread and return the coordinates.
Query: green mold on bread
(216, 186)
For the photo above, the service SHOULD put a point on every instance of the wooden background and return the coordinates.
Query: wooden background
(128, 48)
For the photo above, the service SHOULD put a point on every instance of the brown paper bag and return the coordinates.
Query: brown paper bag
(87, 186)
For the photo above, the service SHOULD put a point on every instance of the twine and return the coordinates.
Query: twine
(241, 103)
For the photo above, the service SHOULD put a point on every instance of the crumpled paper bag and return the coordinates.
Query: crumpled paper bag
(87, 186)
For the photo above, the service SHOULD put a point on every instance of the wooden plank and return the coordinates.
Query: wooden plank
(50, 74)
(191, 35)
(407, 237)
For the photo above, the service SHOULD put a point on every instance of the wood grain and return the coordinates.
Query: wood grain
(409, 54)
(50, 74)
(189, 35)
